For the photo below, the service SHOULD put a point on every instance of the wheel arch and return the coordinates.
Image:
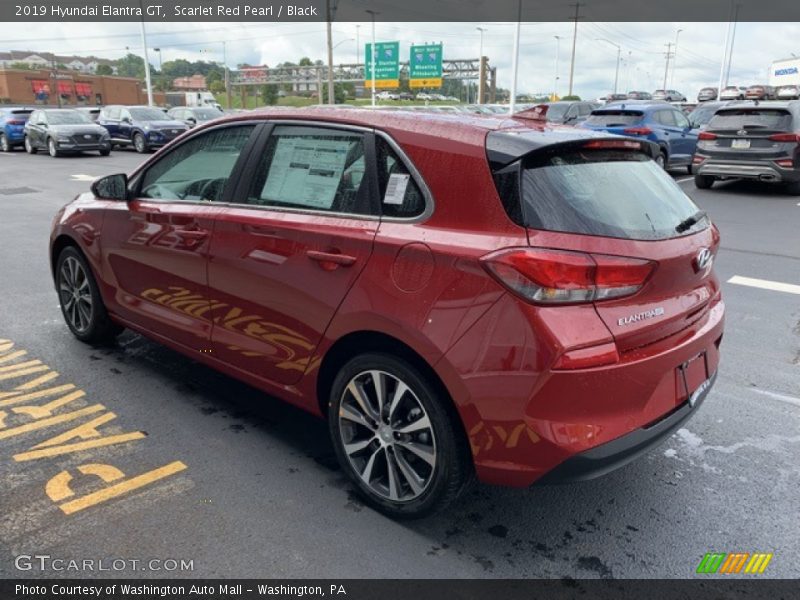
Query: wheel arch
(57, 247)
(363, 341)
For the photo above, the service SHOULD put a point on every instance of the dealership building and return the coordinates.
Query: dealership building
(22, 86)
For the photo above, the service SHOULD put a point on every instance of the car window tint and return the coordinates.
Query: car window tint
(400, 194)
(681, 120)
(113, 113)
(313, 168)
(666, 117)
(584, 109)
(197, 170)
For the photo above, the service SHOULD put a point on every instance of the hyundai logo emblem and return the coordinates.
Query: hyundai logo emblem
(703, 259)
(742, 132)
(86, 136)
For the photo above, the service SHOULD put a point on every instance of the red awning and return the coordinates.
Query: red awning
(65, 88)
(40, 85)
(83, 89)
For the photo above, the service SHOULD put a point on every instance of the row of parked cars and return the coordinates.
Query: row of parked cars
(59, 131)
(717, 140)
(754, 92)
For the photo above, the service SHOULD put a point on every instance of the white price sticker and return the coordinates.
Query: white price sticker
(396, 189)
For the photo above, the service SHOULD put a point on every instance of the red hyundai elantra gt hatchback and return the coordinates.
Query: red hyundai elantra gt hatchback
(459, 296)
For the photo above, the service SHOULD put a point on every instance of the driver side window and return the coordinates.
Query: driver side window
(197, 170)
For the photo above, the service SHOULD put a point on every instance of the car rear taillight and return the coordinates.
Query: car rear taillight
(786, 163)
(705, 135)
(637, 131)
(15, 122)
(696, 159)
(613, 144)
(548, 276)
(785, 137)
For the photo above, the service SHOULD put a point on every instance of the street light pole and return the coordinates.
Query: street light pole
(674, 60)
(558, 53)
(372, 13)
(619, 51)
(480, 67)
(666, 68)
(574, 45)
(515, 62)
(146, 66)
(331, 99)
(358, 45)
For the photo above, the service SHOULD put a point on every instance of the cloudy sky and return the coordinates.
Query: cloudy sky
(699, 54)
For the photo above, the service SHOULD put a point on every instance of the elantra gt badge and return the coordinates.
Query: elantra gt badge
(642, 316)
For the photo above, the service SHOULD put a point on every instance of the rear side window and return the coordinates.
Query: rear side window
(762, 118)
(615, 118)
(112, 113)
(400, 194)
(608, 193)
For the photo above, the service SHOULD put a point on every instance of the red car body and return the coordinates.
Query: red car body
(277, 298)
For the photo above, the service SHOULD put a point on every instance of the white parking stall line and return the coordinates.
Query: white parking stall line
(684, 180)
(777, 396)
(83, 177)
(765, 284)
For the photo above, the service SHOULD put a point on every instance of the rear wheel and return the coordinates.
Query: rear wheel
(4, 145)
(793, 188)
(105, 152)
(703, 182)
(395, 438)
(81, 303)
(29, 147)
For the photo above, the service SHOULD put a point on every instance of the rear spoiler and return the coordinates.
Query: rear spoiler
(505, 147)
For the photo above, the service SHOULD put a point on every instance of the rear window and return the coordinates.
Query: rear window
(610, 193)
(615, 118)
(762, 118)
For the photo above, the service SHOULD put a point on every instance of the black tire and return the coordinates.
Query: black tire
(139, 143)
(703, 182)
(105, 152)
(52, 149)
(98, 327)
(5, 146)
(440, 484)
(689, 169)
(29, 147)
(793, 189)
(661, 160)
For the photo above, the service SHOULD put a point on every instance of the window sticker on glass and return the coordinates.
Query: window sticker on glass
(396, 188)
(306, 171)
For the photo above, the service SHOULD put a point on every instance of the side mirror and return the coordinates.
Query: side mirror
(126, 120)
(111, 187)
(192, 120)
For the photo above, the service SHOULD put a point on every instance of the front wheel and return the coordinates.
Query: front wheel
(139, 143)
(703, 182)
(395, 438)
(105, 152)
(661, 160)
(52, 149)
(81, 303)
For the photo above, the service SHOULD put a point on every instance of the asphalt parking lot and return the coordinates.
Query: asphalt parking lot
(239, 484)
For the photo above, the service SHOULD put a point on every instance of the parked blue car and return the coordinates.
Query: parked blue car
(654, 121)
(12, 126)
(143, 127)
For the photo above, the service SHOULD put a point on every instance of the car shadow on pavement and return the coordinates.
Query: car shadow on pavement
(746, 187)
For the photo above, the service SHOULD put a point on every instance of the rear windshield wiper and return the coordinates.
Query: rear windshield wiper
(690, 222)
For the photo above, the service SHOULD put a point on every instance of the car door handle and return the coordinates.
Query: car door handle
(331, 260)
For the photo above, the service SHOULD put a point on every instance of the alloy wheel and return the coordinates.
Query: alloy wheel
(387, 436)
(138, 143)
(75, 294)
(51, 147)
(4, 145)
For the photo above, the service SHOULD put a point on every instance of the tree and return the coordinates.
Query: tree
(130, 66)
(21, 65)
(104, 70)
(215, 74)
(270, 93)
(217, 87)
(573, 98)
(305, 62)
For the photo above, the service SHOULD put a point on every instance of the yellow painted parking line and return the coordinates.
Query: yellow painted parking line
(42, 423)
(22, 372)
(79, 446)
(34, 395)
(121, 488)
(765, 284)
(18, 366)
(12, 356)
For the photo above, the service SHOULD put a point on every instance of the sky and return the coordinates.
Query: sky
(642, 48)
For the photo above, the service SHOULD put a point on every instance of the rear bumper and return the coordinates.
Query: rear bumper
(761, 170)
(619, 452)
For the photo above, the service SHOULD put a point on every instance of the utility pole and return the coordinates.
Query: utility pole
(574, 44)
(481, 74)
(558, 53)
(358, 45)
(619, 51)
(227, 75)
(733, 38)
(515, 62)
(55, 83)
(330, 14)
(674, 59)
(666, 70)
(146, 66)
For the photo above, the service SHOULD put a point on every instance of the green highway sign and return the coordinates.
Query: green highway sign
(387, 65)
(425, 66)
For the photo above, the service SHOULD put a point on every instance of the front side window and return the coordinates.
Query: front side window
(197, 170)
(313, 168)
(112, 113)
